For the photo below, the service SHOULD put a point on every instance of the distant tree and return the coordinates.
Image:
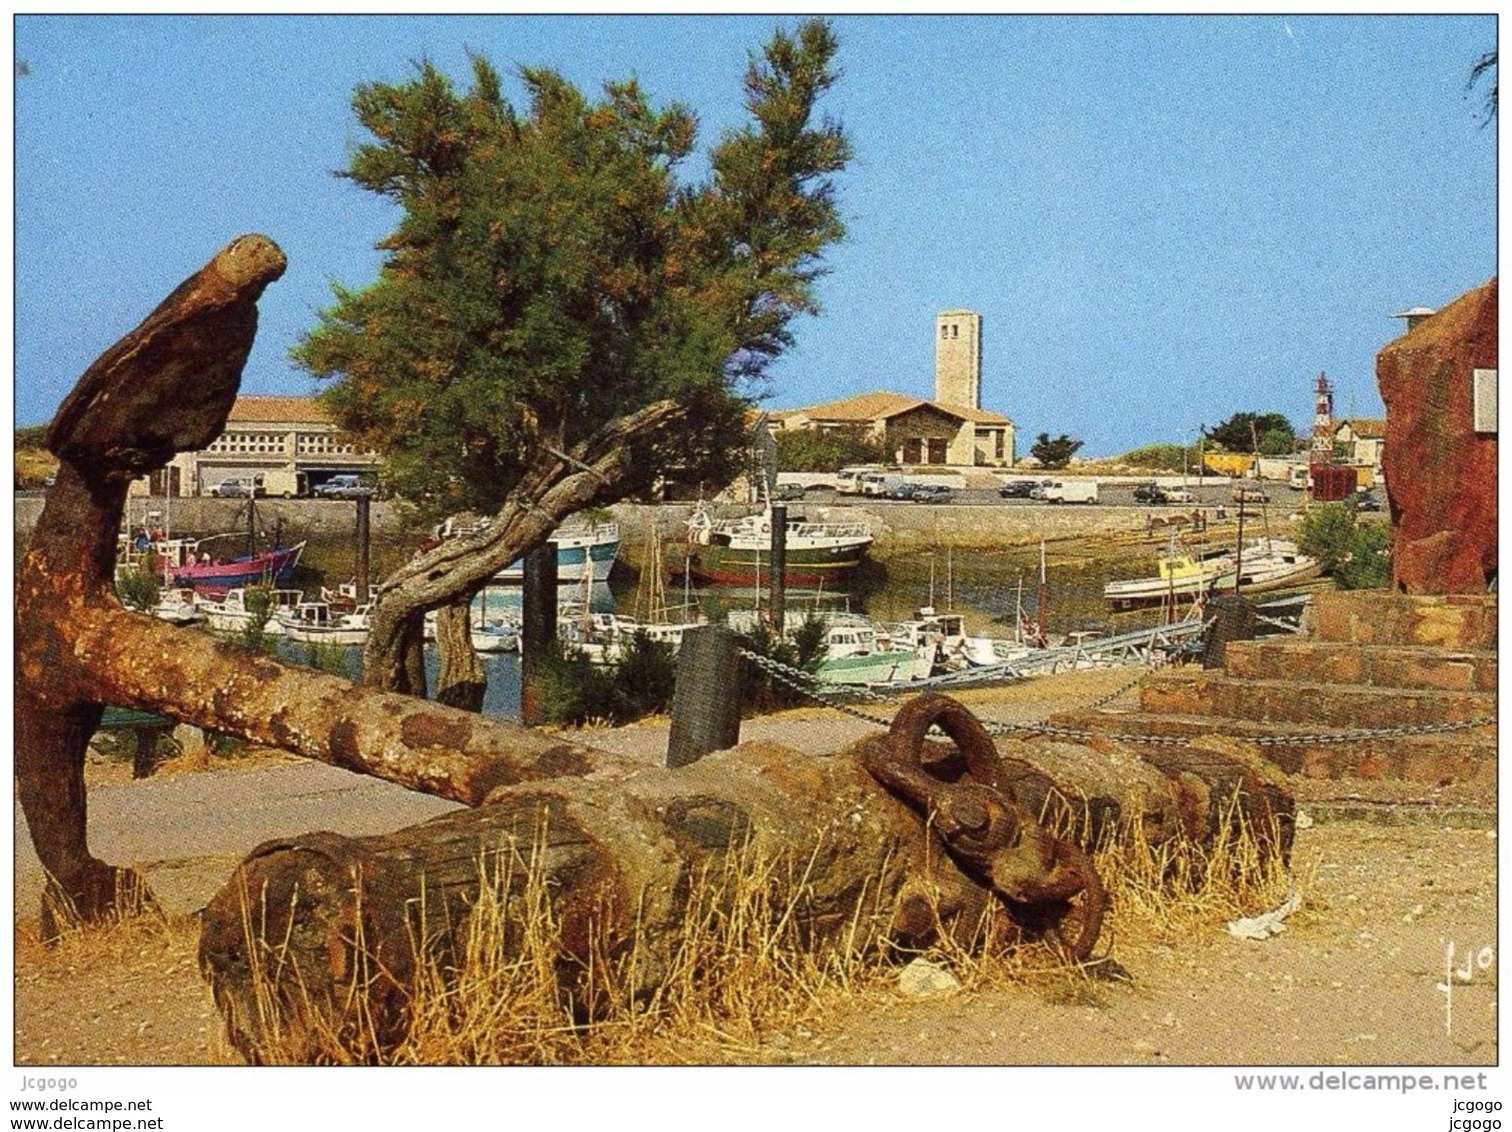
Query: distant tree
(560, 321)
(1484, 66)
(1055, 453)
(813, 450)
(1271, 434)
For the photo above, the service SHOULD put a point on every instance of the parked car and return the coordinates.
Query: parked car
(932, 493)
(237, 488)
(344, 487)
(787, 492)
(1176, 495)
(1367, 502)
(904, 491)
(1017, 489)
(1243, 494)
(1148, 493)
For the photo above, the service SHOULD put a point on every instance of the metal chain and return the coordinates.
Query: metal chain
(807, 685)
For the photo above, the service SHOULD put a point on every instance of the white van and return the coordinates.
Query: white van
(286, 483)
(880, 483)
(1071, 491)
(848, 481)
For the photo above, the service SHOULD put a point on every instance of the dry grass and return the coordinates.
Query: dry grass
(1173, 891)
(737, 969)
(733, 977)
(33, 466)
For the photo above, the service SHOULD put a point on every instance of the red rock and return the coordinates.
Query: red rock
(1440, 473)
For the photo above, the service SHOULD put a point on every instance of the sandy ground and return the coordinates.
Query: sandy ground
(1356, 978)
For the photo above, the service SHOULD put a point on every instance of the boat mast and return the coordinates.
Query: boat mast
(1042, 598)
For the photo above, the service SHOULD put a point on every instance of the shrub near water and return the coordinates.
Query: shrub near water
(574, 690)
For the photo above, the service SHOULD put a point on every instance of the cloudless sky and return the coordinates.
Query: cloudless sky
(1163, 220)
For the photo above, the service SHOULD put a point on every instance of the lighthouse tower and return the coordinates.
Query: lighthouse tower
(1323, 427)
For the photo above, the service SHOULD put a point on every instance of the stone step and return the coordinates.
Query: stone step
(1379, 617)
(1325, 706)
(1392, 666)
(1467, 756)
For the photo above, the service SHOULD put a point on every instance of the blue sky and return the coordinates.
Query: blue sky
(1162, 220)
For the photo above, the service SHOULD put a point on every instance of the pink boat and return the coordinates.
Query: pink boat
(268, 567)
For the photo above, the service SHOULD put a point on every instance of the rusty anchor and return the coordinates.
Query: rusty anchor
(1046, 883)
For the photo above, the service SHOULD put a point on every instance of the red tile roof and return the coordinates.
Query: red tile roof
(1367, 428)
(880, 405)
(278, 410)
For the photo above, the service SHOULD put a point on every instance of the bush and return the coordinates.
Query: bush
(810, 450)
(259, 601)
(574, 690)
(1055, 453)
(643, 678)
(803, 649)
(138, 590)
(1161, 458)
(1353, 553)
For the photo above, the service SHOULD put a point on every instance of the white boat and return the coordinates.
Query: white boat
(178, 606)
(954, 648)
(314, 622)
(1268, 565)
(1178, 575)
(604, 638)
(495, 636)
(231, 615)
(857, 651)
(739, 551)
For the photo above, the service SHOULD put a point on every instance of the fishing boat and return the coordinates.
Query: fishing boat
(582, 550)
(231, 613)
(739, 551)
(1180, 574)
(1270, 565)
(209, 574)
(856, 651)
(605, 638)
(315, 623)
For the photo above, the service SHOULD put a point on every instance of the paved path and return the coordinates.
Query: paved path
(186, 832)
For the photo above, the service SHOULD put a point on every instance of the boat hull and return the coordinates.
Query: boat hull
(306, 635)
(734, 566)
(572, 563)
(270, 567)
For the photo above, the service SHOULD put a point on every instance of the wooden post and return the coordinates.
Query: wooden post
(364, 539)
(706, 698)
(537, 630)
(779, 567)
(1233, 620)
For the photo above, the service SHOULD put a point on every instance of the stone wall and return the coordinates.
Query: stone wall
(1440, 473)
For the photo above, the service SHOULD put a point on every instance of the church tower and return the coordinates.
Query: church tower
(958, 359)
